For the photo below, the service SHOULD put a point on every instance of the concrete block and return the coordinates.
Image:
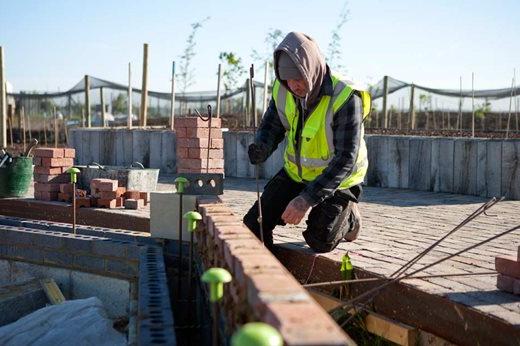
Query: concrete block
(75, 245)
(122, 267)
(134, 203)
(58, 258)
(107, 247)
(89, 263)
(19, 300)
(164, 212)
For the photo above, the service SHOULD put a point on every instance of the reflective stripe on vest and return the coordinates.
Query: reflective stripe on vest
(317, 147)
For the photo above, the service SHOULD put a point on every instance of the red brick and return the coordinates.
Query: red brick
(120, 191)
(134, 203)
(199, 153)
(182, 153)
(196, 122)
(46, 196)
(106, 203)
(37, 161)
(64, 197)
(200, 163)
(107, 194)
(200, 132)
(48, 170)
(57, 162)
(41, 187)
(83, 202)
(120, 202)
(145, 196)
(93, 201)
(48, 152)
(132, 194)
(248, 264)
(52, 178)
(108, 185)
(216, 143)
(505, 283)
(180, 132)
(508, 266)
(69, 152)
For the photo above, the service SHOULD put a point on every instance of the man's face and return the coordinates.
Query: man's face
(298, 87)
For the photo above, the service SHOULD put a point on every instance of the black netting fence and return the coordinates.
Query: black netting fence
(37, 114)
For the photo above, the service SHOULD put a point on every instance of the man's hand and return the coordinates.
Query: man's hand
(295, 210)
(257, 153)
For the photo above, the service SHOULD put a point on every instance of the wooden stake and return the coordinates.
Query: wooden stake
(266, 87)
(218, 89)
(129, 118)
(412, 110)
(385, 100)
(56, 131)
(87, 100)
(3, 102)
(472, 105)
(172, 105)
(102, 101)
(22, 115)
(29, 126)
(10, 123)
(144, 89)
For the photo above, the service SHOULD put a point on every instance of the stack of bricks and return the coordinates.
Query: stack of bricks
(105, 193)
(192, 145)
(508, 269)
(50, 166)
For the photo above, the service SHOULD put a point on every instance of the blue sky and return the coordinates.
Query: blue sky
(50, 45)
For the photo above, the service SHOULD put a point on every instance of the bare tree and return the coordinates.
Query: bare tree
(186, 72)
(334, 53)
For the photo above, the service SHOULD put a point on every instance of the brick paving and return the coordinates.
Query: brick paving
(398, 224)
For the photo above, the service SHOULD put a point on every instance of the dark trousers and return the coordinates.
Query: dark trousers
(327, 224)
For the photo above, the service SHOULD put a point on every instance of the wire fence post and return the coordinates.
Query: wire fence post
(218, 88)
(144, 89)
(412, 109)
(87, 101)
(385, 97)
(172, 109)
(3, 102)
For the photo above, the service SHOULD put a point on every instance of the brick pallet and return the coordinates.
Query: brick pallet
(50, 166)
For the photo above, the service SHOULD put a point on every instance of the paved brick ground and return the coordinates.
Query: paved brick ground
(398, 224)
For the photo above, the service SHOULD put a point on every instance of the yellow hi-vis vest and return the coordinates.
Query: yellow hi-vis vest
(306, 160)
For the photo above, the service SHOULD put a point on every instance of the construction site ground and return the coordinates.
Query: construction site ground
(398, 225)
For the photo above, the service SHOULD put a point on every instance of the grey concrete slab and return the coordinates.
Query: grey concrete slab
(442, 164)
(230, 153)
(141, 147)
(107, 147)
(168, 156)
(511, 169)
(399, 161)
(156, 148)
(465, 167)
(420, 164)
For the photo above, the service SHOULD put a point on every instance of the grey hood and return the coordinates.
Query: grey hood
(306, 55)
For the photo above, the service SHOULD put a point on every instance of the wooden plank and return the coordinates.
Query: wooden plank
(52, 291)
(493, 167)
(155, 148)
(420, 164)
(442, 164)
(511, 169)
(169, 156)
(230, 153)
(389, 329)
(141, 147)
(399, 161)
(465, 167)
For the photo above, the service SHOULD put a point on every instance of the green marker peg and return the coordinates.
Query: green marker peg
(191, 219)
(256, 334)
(180, 183)
(73, 171)
(346, 267)
(216, 278)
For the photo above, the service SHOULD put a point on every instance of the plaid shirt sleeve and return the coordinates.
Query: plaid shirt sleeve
(346, 127)
(271, 131)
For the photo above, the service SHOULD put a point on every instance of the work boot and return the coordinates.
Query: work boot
(355, 222)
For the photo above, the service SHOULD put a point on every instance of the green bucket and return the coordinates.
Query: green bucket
(16, 177)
